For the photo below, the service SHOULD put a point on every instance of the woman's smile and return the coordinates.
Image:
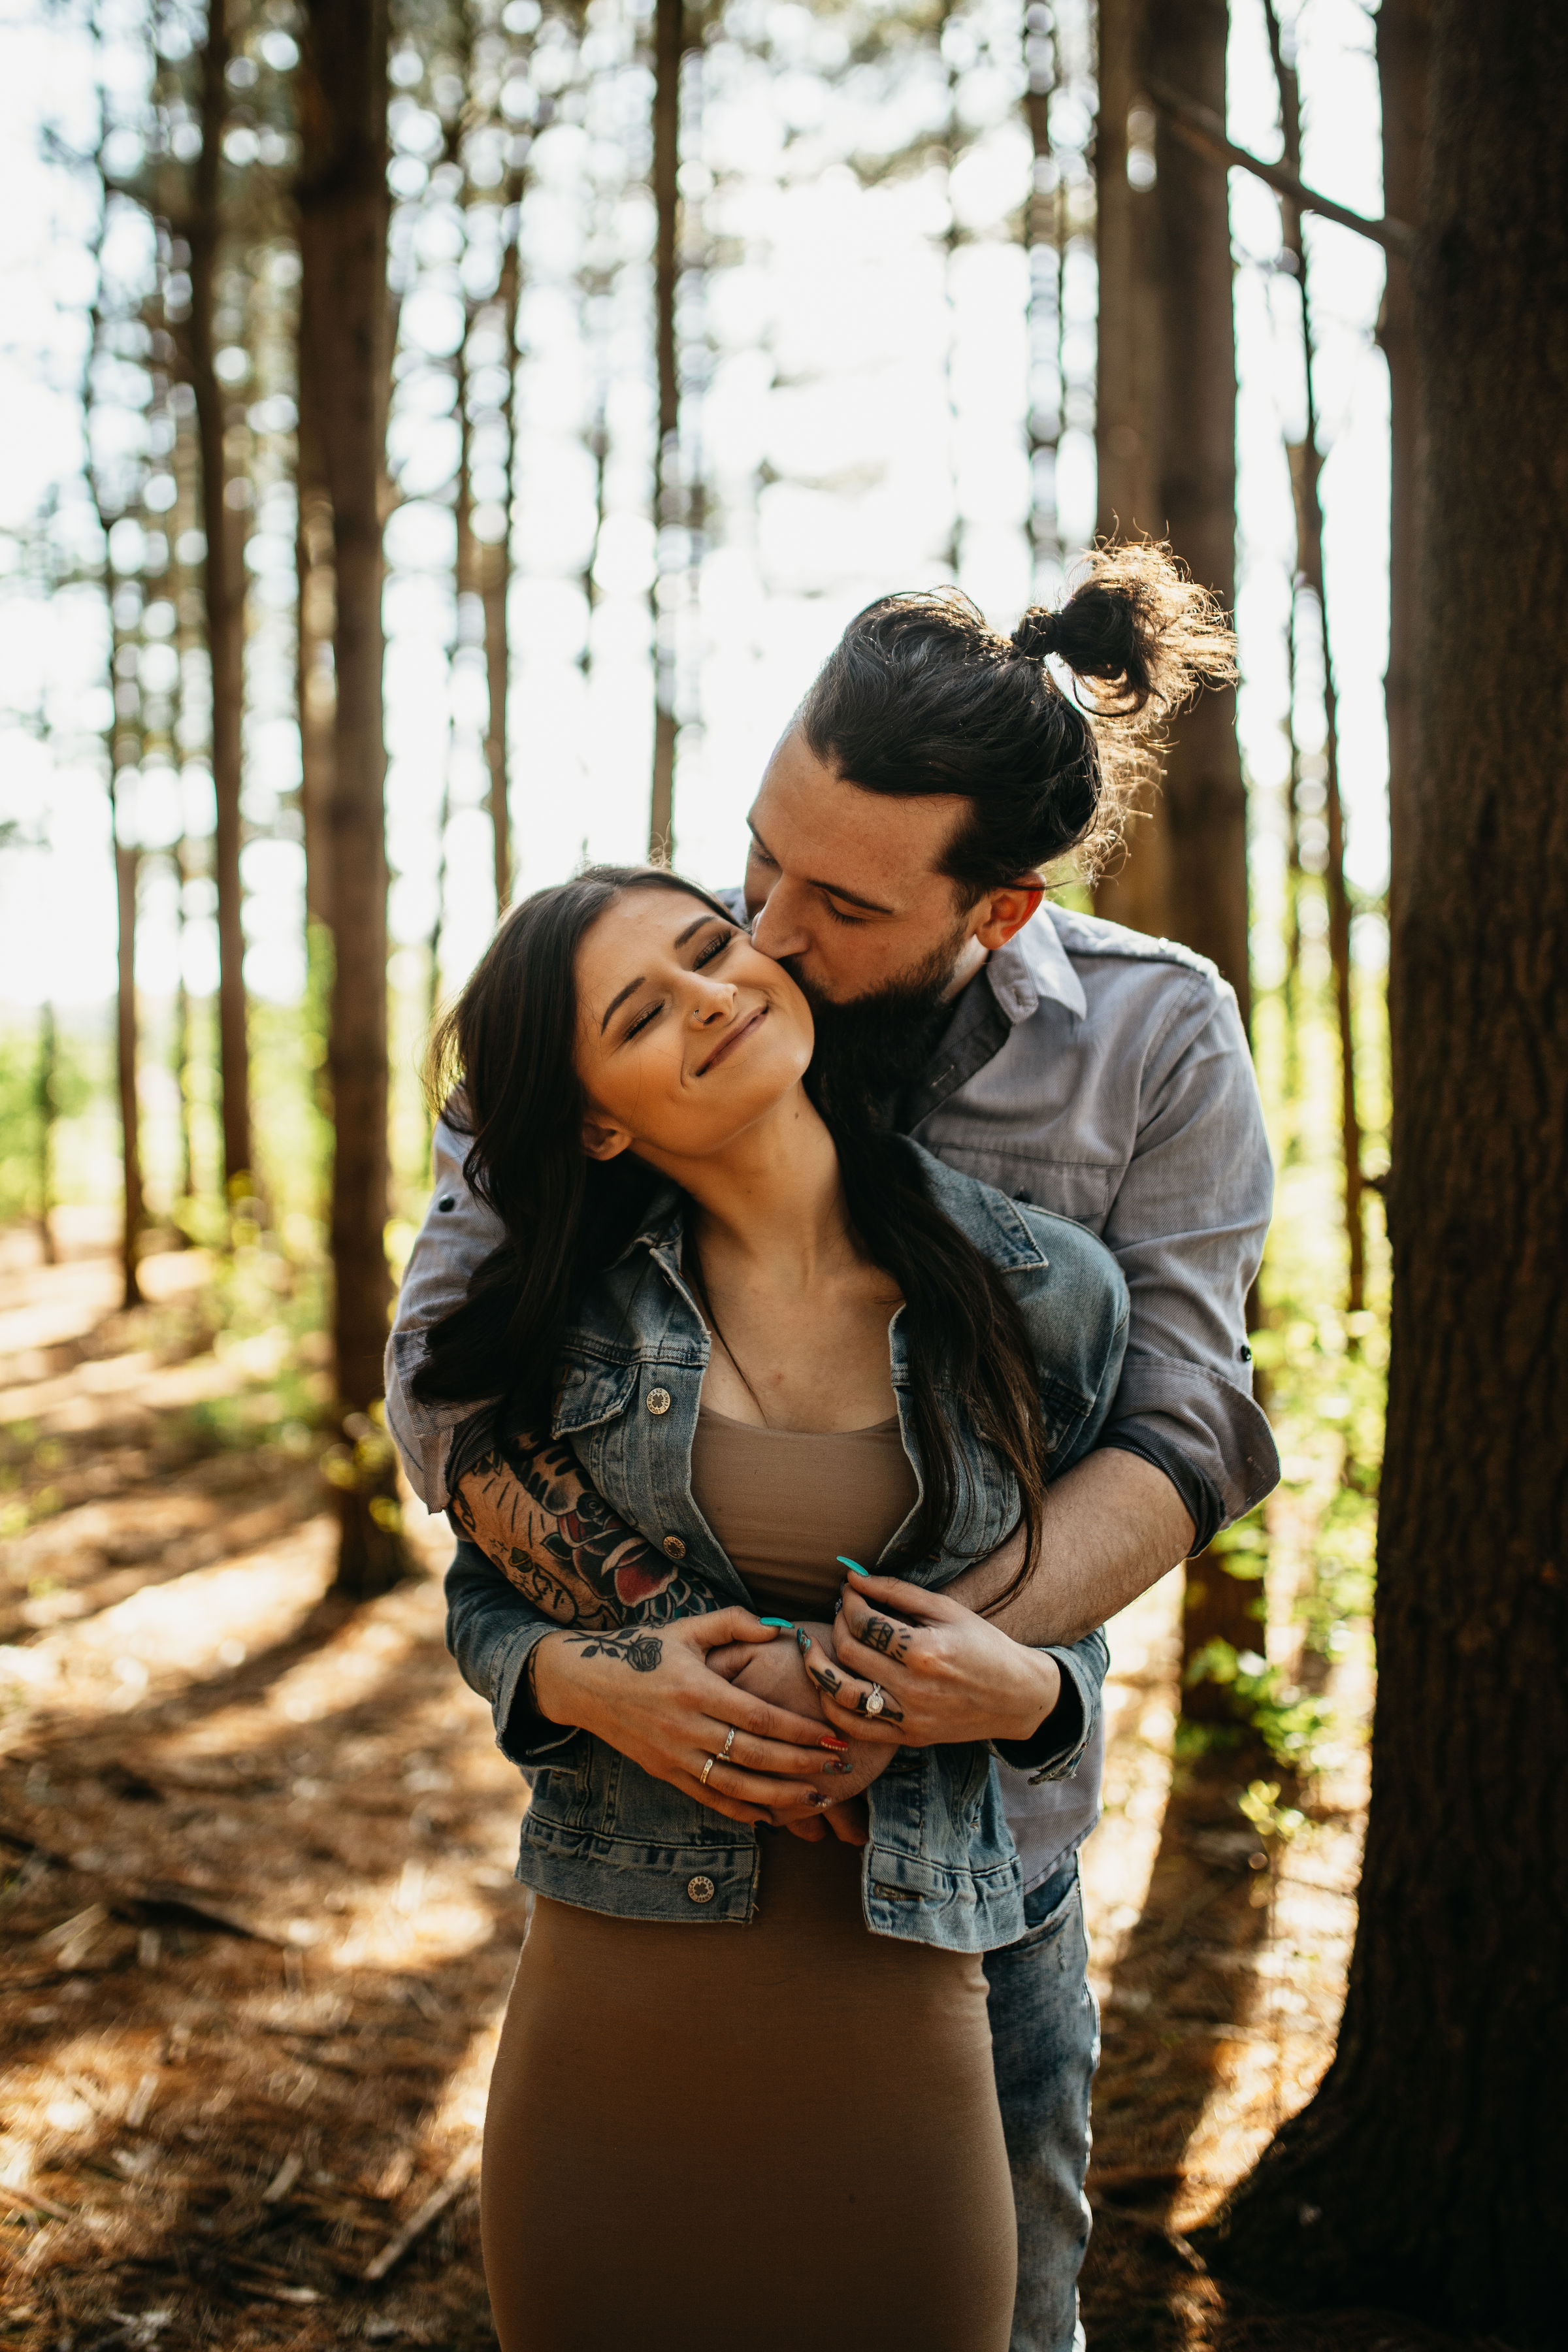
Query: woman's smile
(738, 1031)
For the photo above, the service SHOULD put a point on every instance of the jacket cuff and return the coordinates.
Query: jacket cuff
(1200, 1497)
(1055, 1750)
(522, 1734)
(1214, 1423)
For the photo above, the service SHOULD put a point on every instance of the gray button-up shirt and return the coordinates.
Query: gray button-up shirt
(1096, 1073)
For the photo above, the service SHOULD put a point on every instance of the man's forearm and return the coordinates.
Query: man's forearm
(1110, 1529)
(526, 1505)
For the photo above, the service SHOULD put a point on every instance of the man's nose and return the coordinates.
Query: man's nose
(776, 929)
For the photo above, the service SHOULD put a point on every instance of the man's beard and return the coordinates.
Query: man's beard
(872, 1049)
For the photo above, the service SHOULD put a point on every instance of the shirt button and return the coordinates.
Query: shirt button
(701, 1890)
(675, 1547)
(659, 1400)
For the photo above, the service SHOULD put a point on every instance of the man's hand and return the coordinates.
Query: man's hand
(944, 1675)
(779, 1674)
(653, 1696)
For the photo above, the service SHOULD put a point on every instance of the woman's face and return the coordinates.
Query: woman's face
(686, 1035)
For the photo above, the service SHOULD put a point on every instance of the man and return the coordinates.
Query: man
(897, 842)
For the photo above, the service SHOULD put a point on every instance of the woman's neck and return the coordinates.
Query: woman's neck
(773, 1196)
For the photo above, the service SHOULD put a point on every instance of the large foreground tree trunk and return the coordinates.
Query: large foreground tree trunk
(224, 588)
(342, 343)
(1431, 2171)
(1167, 468)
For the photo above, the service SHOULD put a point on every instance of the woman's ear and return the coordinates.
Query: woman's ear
(602, 1141)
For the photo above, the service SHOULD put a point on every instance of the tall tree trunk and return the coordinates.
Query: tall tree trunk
(223, 583)
(343, 202)
(317, 624)
(180, 1049)
(1167, 456)
(1044, 232)
(48, 1099)
(495, 575)
(127, 874)
(1404, 36)
(669, 48)
(1306, 467)
(1430, 2173)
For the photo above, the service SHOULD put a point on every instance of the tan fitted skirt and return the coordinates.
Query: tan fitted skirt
(747, 2139)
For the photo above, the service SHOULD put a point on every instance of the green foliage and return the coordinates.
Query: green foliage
(21, 1113)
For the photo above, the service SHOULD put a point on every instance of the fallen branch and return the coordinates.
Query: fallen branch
(159, 1903)
(1205, 134)
(35, 2203)
(435, 2205)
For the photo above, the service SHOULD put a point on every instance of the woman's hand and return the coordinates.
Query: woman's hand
(779, 1674)
(944, 1675)
(652, 1695)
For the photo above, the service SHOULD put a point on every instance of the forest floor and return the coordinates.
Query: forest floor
(258, 1919)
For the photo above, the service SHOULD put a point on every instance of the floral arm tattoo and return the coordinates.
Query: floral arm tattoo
(526, 1505)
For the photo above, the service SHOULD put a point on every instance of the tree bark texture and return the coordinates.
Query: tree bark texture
(223, 589)
(1167, 449)
(1045, 232)
(1431, 2170)
(1306, 469)
(495, 574)
(1404, 37)
(316, 627)
(1167, 468)
(343, 203)
(669, 48)
(127, 873)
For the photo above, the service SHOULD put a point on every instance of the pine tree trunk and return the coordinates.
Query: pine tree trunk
(1167, 457)
(495, 580)
(317, 624)
(223, 583)
(1431, 2171)
(1404, 34)
(1045, 232)
(342, 200)
(48, 1064)
(127, 873)
(669, 47)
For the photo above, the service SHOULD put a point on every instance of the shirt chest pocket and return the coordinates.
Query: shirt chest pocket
(590, 1391)
(1082, 1190)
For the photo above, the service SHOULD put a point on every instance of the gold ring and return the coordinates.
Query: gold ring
(702, 1776)
(728, 1743)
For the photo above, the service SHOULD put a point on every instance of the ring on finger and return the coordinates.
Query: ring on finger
(702, 1776)
(875, 1702)
(728, 1743)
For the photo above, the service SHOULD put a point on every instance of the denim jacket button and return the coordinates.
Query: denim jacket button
(659, 1400)
(701, 1890)
(675, 1547)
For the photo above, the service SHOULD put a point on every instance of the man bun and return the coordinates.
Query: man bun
(1136, 630)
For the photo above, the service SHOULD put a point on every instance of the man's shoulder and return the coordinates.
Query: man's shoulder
(1089, 940)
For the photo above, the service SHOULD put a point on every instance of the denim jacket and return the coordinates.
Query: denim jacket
(941, 1867)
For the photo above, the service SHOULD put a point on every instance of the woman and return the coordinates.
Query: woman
(806, 1344)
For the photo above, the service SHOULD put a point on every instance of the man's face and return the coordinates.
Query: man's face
(843, 884)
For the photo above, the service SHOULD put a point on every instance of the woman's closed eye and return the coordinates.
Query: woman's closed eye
(708, 951)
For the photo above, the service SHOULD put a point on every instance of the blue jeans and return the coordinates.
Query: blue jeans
(1045, 2041)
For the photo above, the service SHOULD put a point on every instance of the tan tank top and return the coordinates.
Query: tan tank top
(786, 1502)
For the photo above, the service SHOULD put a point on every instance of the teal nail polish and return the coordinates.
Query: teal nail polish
(785, 1623)
(803, 1637)
(853, 1565)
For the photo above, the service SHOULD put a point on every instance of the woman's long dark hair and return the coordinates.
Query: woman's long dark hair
(502, 1066)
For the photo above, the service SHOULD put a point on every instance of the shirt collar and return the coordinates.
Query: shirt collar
(1033, 964)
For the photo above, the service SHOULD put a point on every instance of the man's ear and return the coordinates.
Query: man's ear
(1006, 910)
(602, 1141)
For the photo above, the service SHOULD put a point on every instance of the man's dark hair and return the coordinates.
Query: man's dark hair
(919, 696)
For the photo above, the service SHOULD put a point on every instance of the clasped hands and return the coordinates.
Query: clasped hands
(764, 1727)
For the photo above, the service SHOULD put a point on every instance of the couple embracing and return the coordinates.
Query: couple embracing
(831, 1311)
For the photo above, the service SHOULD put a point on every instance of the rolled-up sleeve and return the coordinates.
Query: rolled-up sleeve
(458, 1234)
(1187, 1225)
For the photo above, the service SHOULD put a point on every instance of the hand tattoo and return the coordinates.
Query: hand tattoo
(890, 1641)
(641, 1652)
(827, 1679)
(531, 1511)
